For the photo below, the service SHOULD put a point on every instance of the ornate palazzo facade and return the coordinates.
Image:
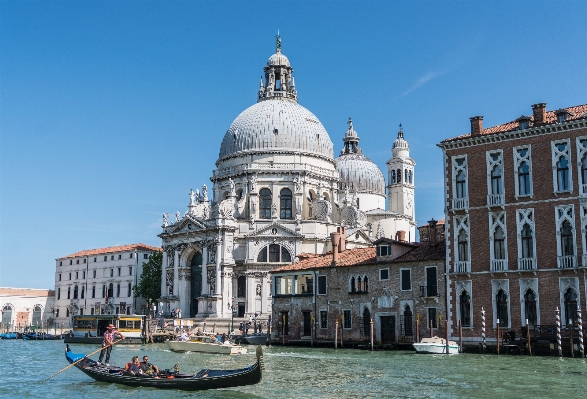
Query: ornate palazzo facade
(277, 191)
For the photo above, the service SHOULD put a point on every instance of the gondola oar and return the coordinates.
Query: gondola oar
(76, 362)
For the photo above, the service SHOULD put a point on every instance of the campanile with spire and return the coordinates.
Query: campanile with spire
(401, 186)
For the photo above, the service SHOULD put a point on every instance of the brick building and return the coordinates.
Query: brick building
(516, 220)
(392, 283)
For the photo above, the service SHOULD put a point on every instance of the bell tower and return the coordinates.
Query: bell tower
(400, 178)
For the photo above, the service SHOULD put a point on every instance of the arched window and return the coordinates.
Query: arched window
(353, 287)
(37, 316)
(498, 244)
(527, 242)
(570, 307)
(465, 309)
(274, 253)
(567, 245)
(501, 301)
(408, 330)
(524, 179)
(241, 286)
(461, 185)
(359, 284)
(366, 322)
(584, 170)
(285, 197)
(399, 176)
(562, 173)
(6, 316)
(392, 177)
(365, 284)
(410, 177)
(265, 205)
(496, 180)
(530, 307)
(111, 290)
(463, 242)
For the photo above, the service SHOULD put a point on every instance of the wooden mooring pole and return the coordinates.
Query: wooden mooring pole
(371, 334)
(460, 336)
(528, 338)
(571, 338)
(498, 333)
(580, 319)
(336, 334)
(483, 328)
(559, 345)
(446, 336)
(417, 330)
(431, 332)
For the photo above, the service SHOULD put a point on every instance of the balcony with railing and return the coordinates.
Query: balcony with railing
(566, 262)
(460, 203)
(526, 263)
(499, 265)
(428, 290)
(462, 267)
(495, 199)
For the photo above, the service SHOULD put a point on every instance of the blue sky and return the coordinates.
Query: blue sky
(112, 110)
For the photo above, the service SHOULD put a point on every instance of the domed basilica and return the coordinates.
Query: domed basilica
(278, 191)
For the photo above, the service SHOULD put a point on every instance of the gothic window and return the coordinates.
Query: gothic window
(567, 244)
(265, 204)
(582, 156)
(408, 330)
(359, 284)
(274, 253)
(465, 309)
(565, 220)
(570, 306)
(496, 180)
(241, 286)
(527, 242)
(353, 287)
(499, 244)
(399, 176)
(461, 184)
(561, 157)
(365, 284)
(530, 307)
(366, 322)
(501, 301)
(522, 171)
(285, 197)
(463, 246)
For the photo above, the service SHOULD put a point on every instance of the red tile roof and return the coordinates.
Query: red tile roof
(109, 250)
(365, 256)
(576, 112)
(30, 292)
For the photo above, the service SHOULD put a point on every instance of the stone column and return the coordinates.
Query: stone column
(264, 293)
(218, 276)
(205, 289)
(251, 293)
(176, 272)
(164, 275)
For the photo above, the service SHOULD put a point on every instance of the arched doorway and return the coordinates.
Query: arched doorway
(196, 282)
(367, 322)
(6, 317)
(37, 311)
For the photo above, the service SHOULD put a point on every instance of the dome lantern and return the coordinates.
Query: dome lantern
(278, 77)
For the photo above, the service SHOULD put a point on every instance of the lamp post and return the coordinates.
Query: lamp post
(232, 316)
(53, 319)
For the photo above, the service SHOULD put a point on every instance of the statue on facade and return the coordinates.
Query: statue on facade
(177, 217)
(253, 182)
(273, 210)
(232, 189)
(380, 233)
(297, 183)
(204, 193)
(192, 197)
(165, 216)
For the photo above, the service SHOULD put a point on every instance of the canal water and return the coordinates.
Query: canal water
(292, 372)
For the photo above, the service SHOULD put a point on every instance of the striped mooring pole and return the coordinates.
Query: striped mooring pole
(581, 347)
(483, 328)
(559, 345)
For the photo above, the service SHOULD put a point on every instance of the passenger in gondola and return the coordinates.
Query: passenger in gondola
(135, 367)
(149, 368)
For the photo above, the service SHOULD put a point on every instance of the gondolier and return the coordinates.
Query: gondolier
(109, 335)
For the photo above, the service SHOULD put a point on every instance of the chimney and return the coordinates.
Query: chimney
(476, 125)
(432, 230)
(539, 113)
(342, 239)
(401, 235)
(335, 238)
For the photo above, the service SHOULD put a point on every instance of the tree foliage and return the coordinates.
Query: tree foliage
(149, 286)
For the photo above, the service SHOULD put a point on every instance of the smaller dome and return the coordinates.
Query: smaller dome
(359, 173)
(278, 59)
(400, 145)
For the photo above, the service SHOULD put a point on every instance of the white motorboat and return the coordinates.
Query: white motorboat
(436, 345)
(255, 339)
(206, 344)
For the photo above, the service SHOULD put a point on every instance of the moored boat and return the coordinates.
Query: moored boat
(254, 339)
(436, 345)
(10, 335)
(204, 379)
(206, 344)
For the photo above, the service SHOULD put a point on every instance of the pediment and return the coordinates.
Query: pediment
(358, 236)
(275, 229)
(188, 224)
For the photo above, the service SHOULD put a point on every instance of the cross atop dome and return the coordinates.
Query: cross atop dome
(279, 81)
(278, 43)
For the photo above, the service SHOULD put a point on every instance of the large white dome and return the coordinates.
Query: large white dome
(276, 125)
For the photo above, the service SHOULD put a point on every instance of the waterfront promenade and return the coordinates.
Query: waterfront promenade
(305, 373)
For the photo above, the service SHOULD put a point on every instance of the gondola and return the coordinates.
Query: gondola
(204, 379)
